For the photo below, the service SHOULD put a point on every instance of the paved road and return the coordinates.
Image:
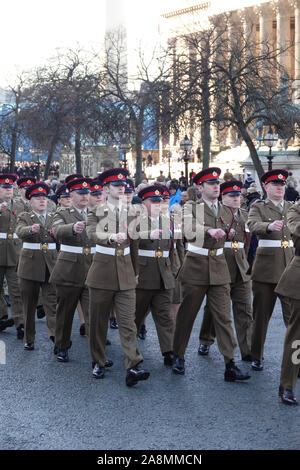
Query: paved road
(48, 405)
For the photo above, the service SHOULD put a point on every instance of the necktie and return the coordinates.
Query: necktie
(280, 207)
(43, 220)
(236, 216)
(214, 209)
(83, 213)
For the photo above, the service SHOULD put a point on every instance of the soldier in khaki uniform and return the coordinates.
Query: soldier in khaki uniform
(112, 277)
(73, 262)
(23, 184)
(10, 247)
(156, 282)
(205, 272)
(37, 259)
(63, 198)
(289, 287)
(267, 220)
(240, 287)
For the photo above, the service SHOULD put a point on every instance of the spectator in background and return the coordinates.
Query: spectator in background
(149, 159)
(252, 195)
(161, 178)
(175, 193)
(290, 192)
(227, 175)
(249, 180)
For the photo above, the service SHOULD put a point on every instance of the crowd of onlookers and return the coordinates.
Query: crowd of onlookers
(31, 169)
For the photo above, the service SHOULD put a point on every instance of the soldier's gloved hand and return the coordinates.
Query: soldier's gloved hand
(78, 227)
(216, 233)
(275, 226)
(3, 207)
(118, 237)
(231, 234)
(35, 228)
(155, 234)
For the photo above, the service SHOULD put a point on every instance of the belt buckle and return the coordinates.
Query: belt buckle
(10, 235)
(158, 254)
(119, 252)
(235, 245)
(212, 252)
(285, 244)
(86, 250)
(44, 246)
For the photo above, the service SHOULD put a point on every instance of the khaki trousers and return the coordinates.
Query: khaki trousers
(14, 293)
(101, 302)
(291, 351)
(264, 299)
(30, 294)
(218, 298)
(240, 293)
(67, 300)
(159, 303)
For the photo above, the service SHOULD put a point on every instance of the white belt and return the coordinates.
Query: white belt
(105, 250)
(39, 246)
(234, 245)
(275, 244)
(8, 235)
(78, 249)
(154, 253)
(204, 251)
(174, 245)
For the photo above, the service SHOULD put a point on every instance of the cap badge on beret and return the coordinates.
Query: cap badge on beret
(120, 176)
(157, 192)
(84, 184)
(96, 186)
(7, 180)
(215, 173)
(235, 188)
(280, 176)
(28, 181)
(40, 188)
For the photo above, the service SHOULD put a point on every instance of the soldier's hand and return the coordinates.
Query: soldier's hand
(118, 237)
(276, 226)
(216, 233)
(231, 234)
(3, 207)
(35, 228)
(78, 227)
(155, 234)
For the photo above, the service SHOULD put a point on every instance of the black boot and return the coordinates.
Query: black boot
(233, 373)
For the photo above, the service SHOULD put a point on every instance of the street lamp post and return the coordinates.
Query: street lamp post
(21, 150)
(124, 148)
(270, 140)
(169, 160)
(186, 145)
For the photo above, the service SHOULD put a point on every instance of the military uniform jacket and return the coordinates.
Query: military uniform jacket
(270, 262)
(236, 257)
(33, 264)
(10, 246)
(288, 284)
(112, 272)
(71, 268)
(155, 272)
(198, 269)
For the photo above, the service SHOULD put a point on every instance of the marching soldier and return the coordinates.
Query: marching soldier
(10, 247)
(112, 277)
(267, 220)
(240, 288)
(156, 282)
(63, 198)
(37, 259)
(287, 287)
(23, 184)
(96, 196)
(73, 262)
(205, 272)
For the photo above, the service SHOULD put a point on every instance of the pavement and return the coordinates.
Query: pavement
(48, 405)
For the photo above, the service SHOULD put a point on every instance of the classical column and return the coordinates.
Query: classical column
(296, 85)
(283, 14)
(266, 14)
